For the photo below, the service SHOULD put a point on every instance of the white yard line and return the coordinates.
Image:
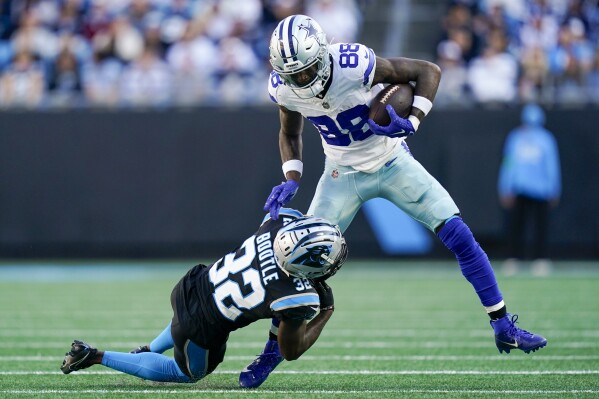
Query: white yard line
(340, 332)
(321, 344)
(352, 358)
(351, 372)
(290, 392)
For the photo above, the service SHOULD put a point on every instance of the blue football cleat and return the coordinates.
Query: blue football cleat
(256, 373)
(508, 336)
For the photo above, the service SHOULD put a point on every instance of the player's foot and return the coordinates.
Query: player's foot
(508, 336)
(141, 349)
(80, 357)
(256, 373)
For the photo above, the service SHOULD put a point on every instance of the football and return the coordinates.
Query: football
(399, 96)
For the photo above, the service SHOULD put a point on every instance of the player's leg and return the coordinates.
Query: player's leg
(336, 200)
(540, 217)
(338, 195)
(160, 344)
(518, 227)
(408, 185)
(541, 265)
(149, 366)
(193, 360)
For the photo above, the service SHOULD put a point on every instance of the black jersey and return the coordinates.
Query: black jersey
(243, 286)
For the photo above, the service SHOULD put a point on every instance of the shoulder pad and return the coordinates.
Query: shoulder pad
(274, 83)
(355, 61)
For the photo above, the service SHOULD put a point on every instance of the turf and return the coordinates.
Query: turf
(401, 329)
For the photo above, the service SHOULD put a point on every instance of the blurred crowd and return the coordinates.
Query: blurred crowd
(499, 52)
(70, 53)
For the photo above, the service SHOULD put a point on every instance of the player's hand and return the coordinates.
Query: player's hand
(399, 127)
(325, 294)
(279, 196)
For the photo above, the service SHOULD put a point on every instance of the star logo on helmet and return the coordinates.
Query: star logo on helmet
(312, 31)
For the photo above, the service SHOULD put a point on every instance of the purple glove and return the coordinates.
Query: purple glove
(399, 127)
(279, 196)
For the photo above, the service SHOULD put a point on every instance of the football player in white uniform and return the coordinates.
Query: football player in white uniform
(332, 86)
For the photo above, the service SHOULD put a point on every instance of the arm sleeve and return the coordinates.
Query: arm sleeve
(301, 306)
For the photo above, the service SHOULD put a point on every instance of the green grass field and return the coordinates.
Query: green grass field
(401, 329)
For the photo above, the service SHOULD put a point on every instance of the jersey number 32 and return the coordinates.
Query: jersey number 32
(225, 287)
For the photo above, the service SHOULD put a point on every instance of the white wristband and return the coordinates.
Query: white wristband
(293, 164)
(415, 121)
(423, 104)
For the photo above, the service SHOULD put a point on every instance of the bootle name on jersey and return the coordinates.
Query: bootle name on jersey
(340, 116)
(249, 285)
(244, 286)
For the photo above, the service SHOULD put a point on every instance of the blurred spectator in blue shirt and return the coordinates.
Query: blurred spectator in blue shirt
(534, 74)
(341, 17)
(64, 81)
(570, 63)
(493, 76)
(529, 184)
(22, 83)
(453, 87)
(193, 61)
(147, 81)
(32, 37)
(100, 79)
(593, 81)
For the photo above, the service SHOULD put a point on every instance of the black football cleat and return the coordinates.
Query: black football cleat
(141, 349)
(80, 357)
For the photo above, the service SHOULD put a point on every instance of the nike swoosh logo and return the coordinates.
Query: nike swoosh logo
(401, 131)
(390, 162)
(514, 344)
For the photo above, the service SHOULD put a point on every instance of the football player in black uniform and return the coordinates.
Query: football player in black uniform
(277, 272)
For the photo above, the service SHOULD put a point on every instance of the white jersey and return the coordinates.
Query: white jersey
(340, 117)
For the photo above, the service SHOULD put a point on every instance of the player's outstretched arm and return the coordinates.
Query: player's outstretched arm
(297, 336)
(290, 145)
(290, 137)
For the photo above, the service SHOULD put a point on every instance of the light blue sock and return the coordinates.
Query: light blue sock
(163, 342)
(147, 365)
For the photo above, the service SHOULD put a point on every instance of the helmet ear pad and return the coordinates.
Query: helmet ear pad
(310, 248)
